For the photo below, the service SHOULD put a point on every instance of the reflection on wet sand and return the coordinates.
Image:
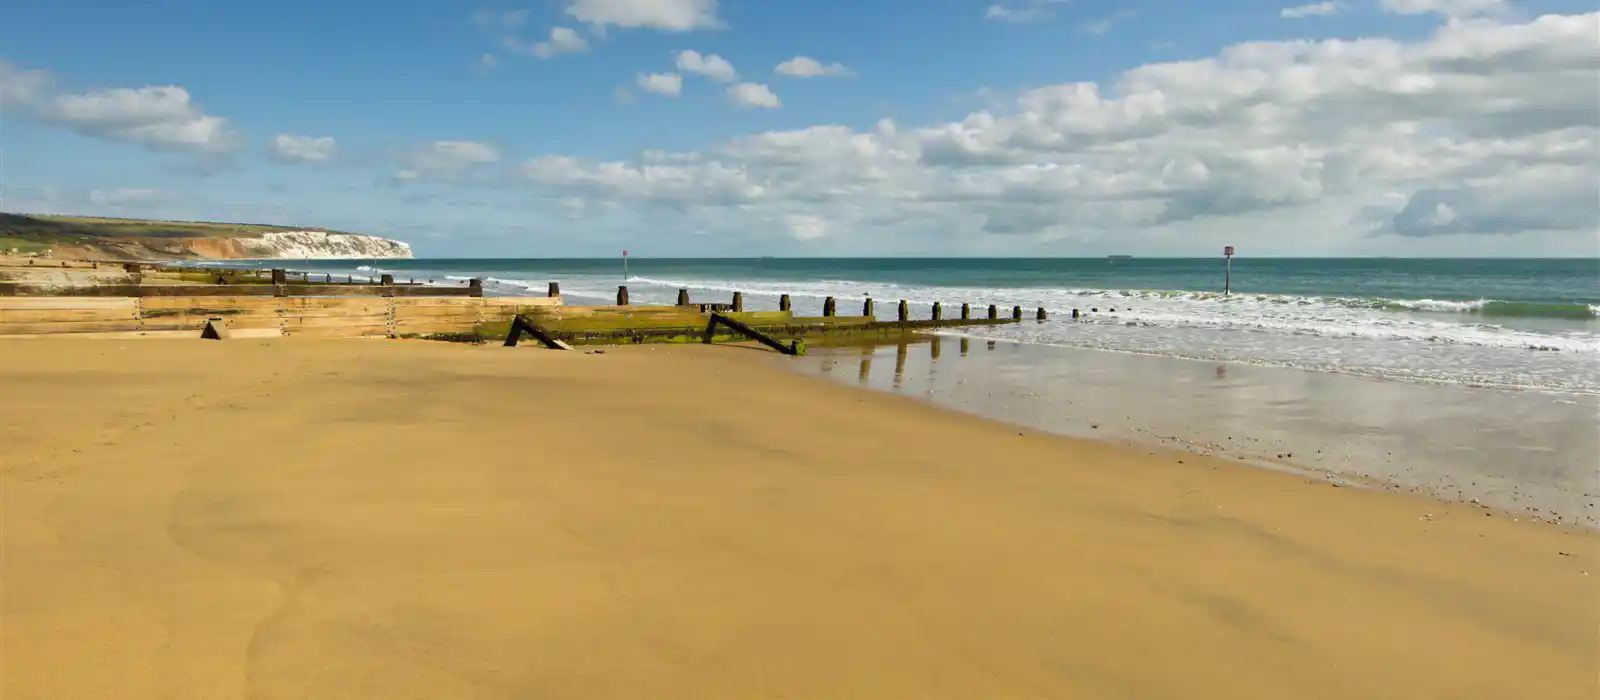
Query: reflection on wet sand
(1519, 450)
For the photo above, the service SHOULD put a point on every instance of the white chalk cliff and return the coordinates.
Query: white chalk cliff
(321, 245)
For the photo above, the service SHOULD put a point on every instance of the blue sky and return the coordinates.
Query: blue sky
(952, 126)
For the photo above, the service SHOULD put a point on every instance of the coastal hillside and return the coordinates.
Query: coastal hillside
(142, 239)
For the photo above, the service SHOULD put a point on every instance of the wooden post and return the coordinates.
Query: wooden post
(965, 347)
(520, 324)
(555, 290)
(994, 312)
(1016, 313)
(966, 312)
(738, 302)
(933, 350)
(683, 297)
(830, 307)
(349, 279)
(1042, 315)
(1074, 314)
(783, 303)
(386, 280)
(214, 330)
(903, 311)
(793, 348)
(866, 308)
(327, 279)
(475, 287)
(938, 311)
(1227, 275)
(279, 276)
(622, 295)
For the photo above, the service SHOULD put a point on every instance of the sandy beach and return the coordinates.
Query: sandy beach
(403, 519)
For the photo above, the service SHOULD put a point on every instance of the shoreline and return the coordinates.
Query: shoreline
(1449, 442)
(334, 518)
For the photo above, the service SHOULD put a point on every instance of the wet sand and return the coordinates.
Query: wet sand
(391, 519)
(1529, 452)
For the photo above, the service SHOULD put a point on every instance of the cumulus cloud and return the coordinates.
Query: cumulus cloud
(664, 15)
(710, 65)
(290, 148)
(123, 201)
(807, 67)
(753, 95)
(1316, 9)
(1483, 127)
(161, 118)
(562, 40)
(669, 84)
(21, 89)
(447, 160)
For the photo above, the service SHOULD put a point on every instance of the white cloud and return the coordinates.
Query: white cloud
(21, 89)
(562, 40)
(753, 95)
(1023, 12)
(806, 67)
(291, 148)
(1447, 8)
(665, 15)
(622, 95)
(447, 160)
(710, 65)
(488, 61)
(1316, 9)
(1484, 128)
(127, 201)
(161, 118)
(669, 84)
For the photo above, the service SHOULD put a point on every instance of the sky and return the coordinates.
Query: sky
(551, 128)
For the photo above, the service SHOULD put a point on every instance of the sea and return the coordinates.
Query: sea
(1521, 324)
(1475, 381)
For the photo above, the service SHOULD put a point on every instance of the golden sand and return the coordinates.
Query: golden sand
(386, 519)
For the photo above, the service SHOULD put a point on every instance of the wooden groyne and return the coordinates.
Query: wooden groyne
(136, 300)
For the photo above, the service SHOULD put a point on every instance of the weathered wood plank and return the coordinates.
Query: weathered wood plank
(66, 315)
(435, 312)
(69, 327)
(296, 323)
(266, 303)
(521, 301)
(7, 303)
(295, 306)
(368, 331)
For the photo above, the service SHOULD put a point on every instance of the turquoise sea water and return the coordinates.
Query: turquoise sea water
(1516, 324)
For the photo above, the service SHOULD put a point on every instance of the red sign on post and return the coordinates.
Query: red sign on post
(1228, 251)
(625, 253)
